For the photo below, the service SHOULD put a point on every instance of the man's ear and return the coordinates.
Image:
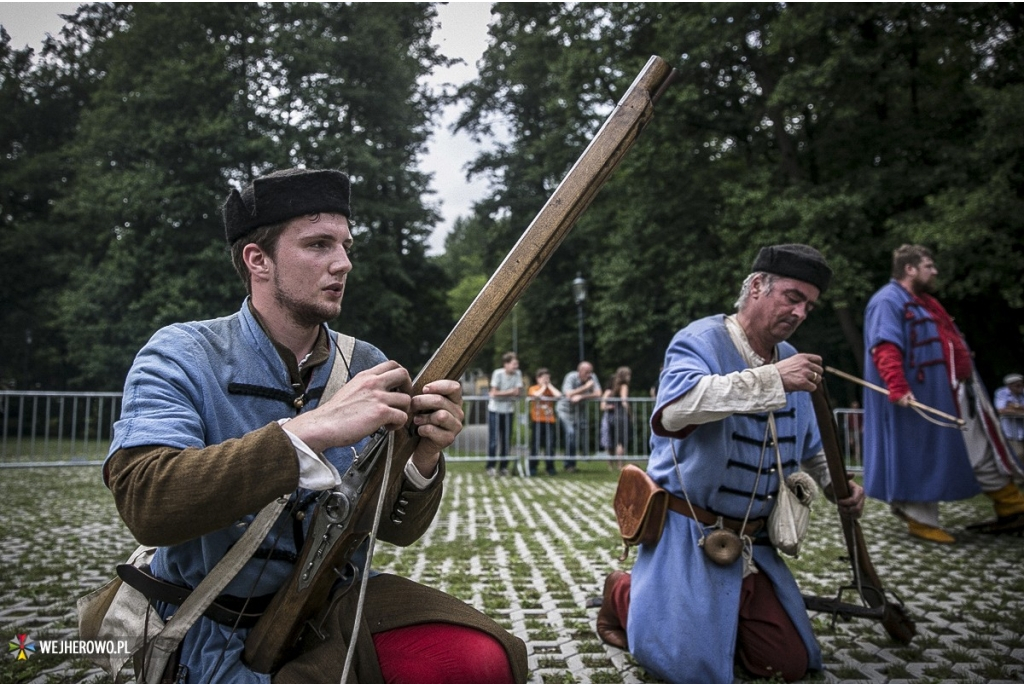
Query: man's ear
(257, 261)
(757, 286)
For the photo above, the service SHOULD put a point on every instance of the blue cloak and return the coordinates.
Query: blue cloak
(906, 457)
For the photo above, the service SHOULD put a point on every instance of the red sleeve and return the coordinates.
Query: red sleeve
(888, 359)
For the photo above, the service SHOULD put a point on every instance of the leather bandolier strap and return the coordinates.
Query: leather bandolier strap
(227, 610)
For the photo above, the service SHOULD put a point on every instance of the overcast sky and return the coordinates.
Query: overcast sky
(463, 34)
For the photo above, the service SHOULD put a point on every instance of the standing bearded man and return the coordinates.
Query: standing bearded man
(221, 417)
(914, 349)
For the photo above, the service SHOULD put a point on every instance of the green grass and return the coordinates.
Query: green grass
(50, 450)
(534, 551)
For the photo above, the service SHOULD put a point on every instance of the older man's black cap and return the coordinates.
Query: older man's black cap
(794, 260)
(284, 195)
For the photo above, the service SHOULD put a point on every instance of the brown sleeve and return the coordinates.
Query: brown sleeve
(167, 495)
(419, 507)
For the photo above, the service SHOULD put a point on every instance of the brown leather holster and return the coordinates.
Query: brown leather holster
(640, 508)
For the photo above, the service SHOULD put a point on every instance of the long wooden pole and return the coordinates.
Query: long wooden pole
(894, 617)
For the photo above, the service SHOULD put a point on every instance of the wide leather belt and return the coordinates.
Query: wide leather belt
(681, 506)
(226, 609)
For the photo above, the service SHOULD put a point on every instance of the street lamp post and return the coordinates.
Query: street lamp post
(579, 293)
(28, 357)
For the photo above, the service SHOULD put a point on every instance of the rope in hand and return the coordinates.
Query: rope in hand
(369, 557)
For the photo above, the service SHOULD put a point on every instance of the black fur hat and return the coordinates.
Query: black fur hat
(284, 195)
(801, 262)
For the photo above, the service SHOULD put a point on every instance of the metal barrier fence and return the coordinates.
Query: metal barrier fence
(529, 451)
(41, 428)
(56, 428)
(851, 436)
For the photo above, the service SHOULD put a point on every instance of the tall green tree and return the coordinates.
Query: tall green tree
(41, 100)
(850, 127)
(184, 102)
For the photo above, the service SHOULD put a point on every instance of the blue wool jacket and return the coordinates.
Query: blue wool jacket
(199, 384)
(906, 457)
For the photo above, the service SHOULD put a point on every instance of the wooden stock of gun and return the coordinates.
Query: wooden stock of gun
(344, 517)
(892, 614)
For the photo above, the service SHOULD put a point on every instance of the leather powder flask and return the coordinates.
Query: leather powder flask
(722, 546)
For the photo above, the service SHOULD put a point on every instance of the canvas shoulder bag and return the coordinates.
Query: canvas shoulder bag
(118, 612)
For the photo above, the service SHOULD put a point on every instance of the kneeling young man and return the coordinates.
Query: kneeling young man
(222, 417)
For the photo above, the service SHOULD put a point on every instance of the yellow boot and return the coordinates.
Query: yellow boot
(1007, 500)
(1009, 505)
(929, 533)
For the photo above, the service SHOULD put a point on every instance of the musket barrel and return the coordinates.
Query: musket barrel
(894, 617)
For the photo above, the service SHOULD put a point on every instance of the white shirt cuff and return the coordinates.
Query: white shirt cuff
(716, 397)
(315, 472)
(817, 467)
(416, 479)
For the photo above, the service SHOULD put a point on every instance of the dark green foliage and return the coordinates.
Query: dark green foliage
(851, 127)
(147, 114)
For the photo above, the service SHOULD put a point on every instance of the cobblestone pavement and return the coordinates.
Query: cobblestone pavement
(530, 552)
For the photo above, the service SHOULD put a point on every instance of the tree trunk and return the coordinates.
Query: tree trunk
(853, 335)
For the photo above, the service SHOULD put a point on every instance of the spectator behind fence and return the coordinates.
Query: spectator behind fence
(542, 421)
(506, 384)
(605, 431)
(1009, 403)
(577, 387)
(618, 416)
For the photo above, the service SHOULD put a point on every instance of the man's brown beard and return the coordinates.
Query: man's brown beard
(305, 314)
(928, 287)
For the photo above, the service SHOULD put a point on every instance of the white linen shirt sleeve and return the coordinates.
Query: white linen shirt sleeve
(757, 388)
(316, 473)
(717, 397)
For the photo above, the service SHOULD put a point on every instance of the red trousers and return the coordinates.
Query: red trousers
(441, 653)
(767, 642)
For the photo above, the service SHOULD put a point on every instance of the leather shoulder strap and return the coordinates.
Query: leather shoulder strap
(342, 359)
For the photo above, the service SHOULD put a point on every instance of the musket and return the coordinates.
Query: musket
(343, 518)
(838, 608)
(866, 582)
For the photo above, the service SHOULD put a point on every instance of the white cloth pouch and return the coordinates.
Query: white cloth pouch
(120, 614)
(788, 521)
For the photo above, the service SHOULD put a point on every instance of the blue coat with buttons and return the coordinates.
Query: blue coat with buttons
(684, 609)
(187, 389)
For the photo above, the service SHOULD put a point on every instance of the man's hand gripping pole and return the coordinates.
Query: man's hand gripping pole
(345, 518)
